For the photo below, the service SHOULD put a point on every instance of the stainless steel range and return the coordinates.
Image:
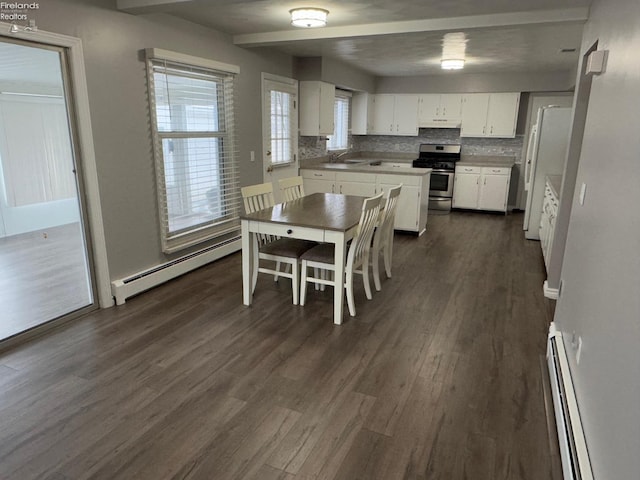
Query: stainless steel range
(442, 159)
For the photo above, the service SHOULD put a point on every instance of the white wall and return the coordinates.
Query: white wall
(600, 297)
(116, 81)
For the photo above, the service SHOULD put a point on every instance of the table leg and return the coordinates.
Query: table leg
(340, 260)
(247, 260)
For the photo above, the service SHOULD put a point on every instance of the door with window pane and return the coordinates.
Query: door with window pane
(279, 129)
(45, 272)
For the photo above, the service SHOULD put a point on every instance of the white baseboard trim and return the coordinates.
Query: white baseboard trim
(152, 277)
(551, 293)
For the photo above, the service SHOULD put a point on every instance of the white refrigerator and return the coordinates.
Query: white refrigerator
(546, 152)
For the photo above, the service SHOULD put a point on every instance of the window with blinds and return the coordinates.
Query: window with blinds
(282, 110)
(194, 144)
(340, 138)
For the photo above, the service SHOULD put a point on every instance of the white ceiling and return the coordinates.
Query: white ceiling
(503, 35)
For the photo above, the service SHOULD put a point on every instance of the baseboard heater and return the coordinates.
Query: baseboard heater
(139, 282)
(573, 447)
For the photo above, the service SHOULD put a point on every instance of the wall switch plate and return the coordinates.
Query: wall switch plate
(253, 156)
(583, 191)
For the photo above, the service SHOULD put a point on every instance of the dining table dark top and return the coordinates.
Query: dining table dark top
(328, 211)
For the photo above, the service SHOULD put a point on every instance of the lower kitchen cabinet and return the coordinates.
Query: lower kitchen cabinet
(411, 213)
(481, 188)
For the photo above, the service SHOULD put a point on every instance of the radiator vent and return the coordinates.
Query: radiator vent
(573, 448)
(146, 279)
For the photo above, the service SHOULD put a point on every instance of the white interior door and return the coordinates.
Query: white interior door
(279, 129)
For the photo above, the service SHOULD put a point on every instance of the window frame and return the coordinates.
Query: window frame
(179, 239)
(340, 96)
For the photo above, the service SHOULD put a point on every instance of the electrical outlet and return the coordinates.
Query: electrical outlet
(579, 350)
(583, 192)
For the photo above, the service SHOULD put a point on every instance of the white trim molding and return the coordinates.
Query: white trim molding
(80, 101)
(551, 293)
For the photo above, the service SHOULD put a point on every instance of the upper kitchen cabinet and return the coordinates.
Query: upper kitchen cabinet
(316, 108)
(395, 115)
(490, 114)
(440, 110)
(361, 113)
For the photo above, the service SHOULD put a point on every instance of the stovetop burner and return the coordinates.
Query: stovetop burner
(438, 157)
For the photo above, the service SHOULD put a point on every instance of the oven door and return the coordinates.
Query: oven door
(441, 184)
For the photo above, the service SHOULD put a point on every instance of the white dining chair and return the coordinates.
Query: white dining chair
(280, 250)
(383, 236)
(291, 188)
(322, 257)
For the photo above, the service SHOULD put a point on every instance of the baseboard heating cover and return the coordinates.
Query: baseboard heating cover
(573, 447)
(139, 282)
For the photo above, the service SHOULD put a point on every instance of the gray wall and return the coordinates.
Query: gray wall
(333, 71)
(117, 85)
(600, 297)
(485, 82)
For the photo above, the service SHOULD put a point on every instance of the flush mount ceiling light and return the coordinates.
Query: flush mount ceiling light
(454, 47)
(309, 17)
(452, 64)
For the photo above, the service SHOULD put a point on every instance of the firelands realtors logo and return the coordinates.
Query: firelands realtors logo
(13, 12)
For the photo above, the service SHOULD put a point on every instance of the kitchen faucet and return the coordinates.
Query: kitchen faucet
(336, 156)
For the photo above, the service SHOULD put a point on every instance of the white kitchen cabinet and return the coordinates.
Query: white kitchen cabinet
(489, 115)
(481, 188)
(439, 110)
(316, 108)
(395, 115)
(351, 183)
(413, 203)
(318, 181)
(361, 113)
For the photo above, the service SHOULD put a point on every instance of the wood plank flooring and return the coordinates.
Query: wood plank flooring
(437, 377)
(43, 275)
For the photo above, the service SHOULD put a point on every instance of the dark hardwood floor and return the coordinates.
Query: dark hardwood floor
(437, 377)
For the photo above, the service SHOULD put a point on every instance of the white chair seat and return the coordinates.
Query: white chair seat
(287, 247)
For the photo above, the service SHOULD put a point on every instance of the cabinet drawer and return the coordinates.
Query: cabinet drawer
(291, 231)
(318, 174)
(468, 169)
(496, 170)
(389, 179)
(355, 177)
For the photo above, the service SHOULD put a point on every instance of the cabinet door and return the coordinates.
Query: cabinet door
(450, 105)
(361, 113)
(311, 185)
(406, 115)
(383, 107)
(408, 208)
(429, 108)
(493, 192)
(503, 115)
(475, 107)
(327, 101)
(360, 189)
(316, 108)
(465, 190)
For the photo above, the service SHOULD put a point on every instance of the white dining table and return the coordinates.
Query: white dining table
(321, 217)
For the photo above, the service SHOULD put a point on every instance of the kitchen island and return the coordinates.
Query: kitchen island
(367, 177)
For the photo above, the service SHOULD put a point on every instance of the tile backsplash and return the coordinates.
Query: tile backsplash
(313, 147)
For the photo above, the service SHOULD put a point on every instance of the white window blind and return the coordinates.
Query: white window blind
(340, 138)
(195, 152)
(280, 120)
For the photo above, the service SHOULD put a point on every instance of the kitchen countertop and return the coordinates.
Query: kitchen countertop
(365, 167)
(488, 160)
(555, 182)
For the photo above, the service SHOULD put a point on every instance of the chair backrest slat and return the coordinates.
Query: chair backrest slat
(362, 240)
(291, 188)
(258, 197)
(387, 217)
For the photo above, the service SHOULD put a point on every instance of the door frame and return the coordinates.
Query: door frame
(79, 100)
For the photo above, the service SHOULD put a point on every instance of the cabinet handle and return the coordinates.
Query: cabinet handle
(437, 111)
(340, 188)
(391, 127)
(485, 180)
(333, 189)
(289, 232)
(444, 111)
(478, 181)
(484, 130)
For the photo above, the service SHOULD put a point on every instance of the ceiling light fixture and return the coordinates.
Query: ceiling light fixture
(309, 17)
(452, 64)
(454, 47)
